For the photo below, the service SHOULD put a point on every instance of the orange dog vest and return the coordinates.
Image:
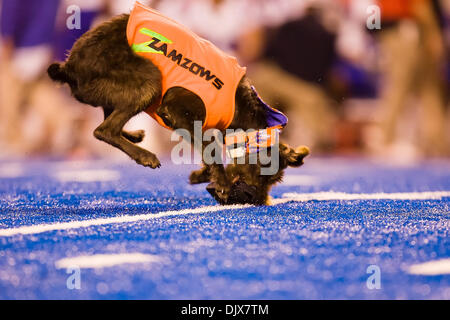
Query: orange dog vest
(186, 60)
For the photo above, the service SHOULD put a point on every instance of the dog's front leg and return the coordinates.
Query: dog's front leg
(110, 131)
(201, 175)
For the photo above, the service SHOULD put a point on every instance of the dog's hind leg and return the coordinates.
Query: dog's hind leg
(110, 131)
(134, 136)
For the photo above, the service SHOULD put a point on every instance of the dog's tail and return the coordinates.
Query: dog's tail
(57, 73)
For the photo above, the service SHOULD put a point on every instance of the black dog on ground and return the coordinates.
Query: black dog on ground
(103, 71)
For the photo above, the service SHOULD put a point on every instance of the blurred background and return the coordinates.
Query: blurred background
(351, 84)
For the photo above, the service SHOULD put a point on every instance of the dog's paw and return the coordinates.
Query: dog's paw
(199, 176)
(149, 160)
(302, 150)
(294, 157)
(134, 136)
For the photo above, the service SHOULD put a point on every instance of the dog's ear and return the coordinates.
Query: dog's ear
(57, 73)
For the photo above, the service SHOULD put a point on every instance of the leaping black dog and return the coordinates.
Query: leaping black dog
(105, 70)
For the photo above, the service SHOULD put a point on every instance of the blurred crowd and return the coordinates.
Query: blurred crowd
(354, 76)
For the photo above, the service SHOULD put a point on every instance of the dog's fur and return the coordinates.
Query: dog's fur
(103, 71)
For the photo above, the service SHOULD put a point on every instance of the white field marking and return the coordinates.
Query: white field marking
(87, 175)
(431, 268)
(299, 180)
(40, 228)
(105, 260)
(331, 195)
(11, 170)
(288, 197)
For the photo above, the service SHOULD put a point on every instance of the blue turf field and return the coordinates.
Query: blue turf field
(296, 250)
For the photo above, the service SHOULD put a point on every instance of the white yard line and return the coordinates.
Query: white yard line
(40, 228)
(11, 170)
(431, 268)
(331, 195)
(288, 197)
(299, 180)
(105, 260)
(87, 175)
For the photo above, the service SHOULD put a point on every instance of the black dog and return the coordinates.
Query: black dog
(103, 71)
